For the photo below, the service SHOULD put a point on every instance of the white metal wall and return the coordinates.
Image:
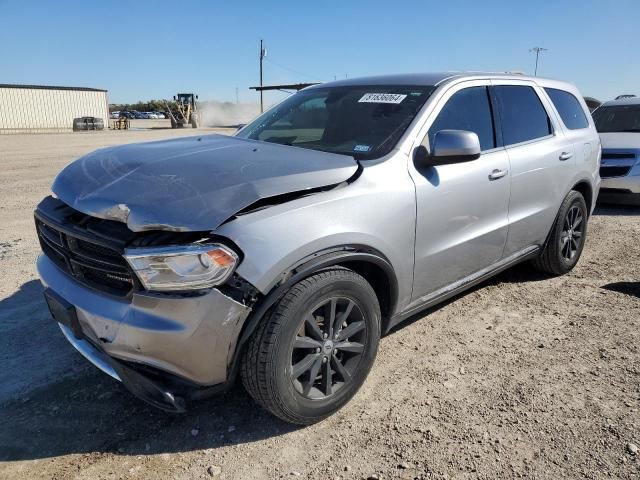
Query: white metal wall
(26, 110)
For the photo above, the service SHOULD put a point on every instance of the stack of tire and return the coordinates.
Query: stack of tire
(87, 123)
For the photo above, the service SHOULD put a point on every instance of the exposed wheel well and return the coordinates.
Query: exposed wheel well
(380, 282)
(585, 189)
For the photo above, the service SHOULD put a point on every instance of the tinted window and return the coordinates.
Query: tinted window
(362, 121)
(522, 114)
(569, 108)
(470, 110)
(617, 118)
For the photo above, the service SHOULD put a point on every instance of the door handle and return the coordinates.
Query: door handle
(496, 174)
(565, 156)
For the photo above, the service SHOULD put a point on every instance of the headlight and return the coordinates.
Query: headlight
(182, 267)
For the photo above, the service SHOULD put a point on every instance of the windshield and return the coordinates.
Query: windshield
(617, 118)
(364, 122)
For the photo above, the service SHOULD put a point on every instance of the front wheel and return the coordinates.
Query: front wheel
(567, 237)
(312, 354)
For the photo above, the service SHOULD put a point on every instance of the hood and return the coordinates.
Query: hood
(621, 140)
(193, 183)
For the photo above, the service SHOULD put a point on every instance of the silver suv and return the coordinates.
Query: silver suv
(283, 253)
(618, 123)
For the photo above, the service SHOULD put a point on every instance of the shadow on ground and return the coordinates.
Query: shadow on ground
(32, 352)
(93, 413)
(603, 209)
(628, 288)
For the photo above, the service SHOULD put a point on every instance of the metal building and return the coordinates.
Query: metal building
(40, 109)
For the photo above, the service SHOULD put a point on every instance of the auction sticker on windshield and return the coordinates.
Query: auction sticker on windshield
(382, 98)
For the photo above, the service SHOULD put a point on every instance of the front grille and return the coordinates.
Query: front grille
(86, 259)
(608, 172)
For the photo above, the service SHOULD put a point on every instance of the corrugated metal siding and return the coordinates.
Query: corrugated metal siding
(42, 110)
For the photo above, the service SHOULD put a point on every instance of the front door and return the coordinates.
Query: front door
(462, 221)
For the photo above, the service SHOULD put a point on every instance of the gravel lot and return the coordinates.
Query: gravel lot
(524, 377)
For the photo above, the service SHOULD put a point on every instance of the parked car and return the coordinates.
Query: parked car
(114, 115)
(160, 115)
(618, 123)
(284, 252)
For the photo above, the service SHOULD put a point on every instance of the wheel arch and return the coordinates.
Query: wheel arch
(585, 189)
(366, 261)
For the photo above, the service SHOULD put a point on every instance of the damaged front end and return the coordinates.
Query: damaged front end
(165, 346)
(194, 184)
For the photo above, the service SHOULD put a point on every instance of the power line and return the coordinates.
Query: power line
(292, 70)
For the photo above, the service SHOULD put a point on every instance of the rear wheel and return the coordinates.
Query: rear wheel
(316, 348)
(567, 238)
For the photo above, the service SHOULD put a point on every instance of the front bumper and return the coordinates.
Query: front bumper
(629, 182)
(622, 190)
(192, 337)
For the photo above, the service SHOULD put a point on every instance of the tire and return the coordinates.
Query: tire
(194, 121)
(569, 230)
(285, 350)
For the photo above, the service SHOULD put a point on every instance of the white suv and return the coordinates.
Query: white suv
(618, 123)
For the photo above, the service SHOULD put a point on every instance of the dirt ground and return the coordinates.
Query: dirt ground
(524, 377)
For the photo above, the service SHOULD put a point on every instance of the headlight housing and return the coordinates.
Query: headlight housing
(182, 267)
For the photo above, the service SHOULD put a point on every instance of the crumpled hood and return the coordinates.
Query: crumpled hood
(630, 140)
(193, 183)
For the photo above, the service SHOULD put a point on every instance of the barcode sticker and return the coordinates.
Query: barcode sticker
(382, 98)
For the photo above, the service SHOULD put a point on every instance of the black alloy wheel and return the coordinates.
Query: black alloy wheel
(315, 349)
(572, 233)
(328, 347)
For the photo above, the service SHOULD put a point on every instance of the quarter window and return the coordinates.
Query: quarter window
(522, 115)
(569, 108)
(470, 110)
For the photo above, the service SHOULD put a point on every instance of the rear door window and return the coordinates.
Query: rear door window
(522, 114)
(468, 109)
(569, 108)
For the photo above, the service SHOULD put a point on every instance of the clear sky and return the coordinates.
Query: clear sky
(145, 49)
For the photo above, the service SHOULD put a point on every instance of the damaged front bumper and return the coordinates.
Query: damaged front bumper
(159, 345)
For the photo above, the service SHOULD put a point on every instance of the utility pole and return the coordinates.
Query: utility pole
(263, 53)
(537, 51)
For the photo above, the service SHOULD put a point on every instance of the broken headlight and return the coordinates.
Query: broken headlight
(182, 267)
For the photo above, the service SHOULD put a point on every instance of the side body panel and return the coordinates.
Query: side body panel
(376, 210)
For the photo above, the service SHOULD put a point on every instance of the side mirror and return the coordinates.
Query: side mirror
(449, 146)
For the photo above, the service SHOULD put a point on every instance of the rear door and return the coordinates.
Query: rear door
(461, 224)
(542, 161)
(579, 129)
